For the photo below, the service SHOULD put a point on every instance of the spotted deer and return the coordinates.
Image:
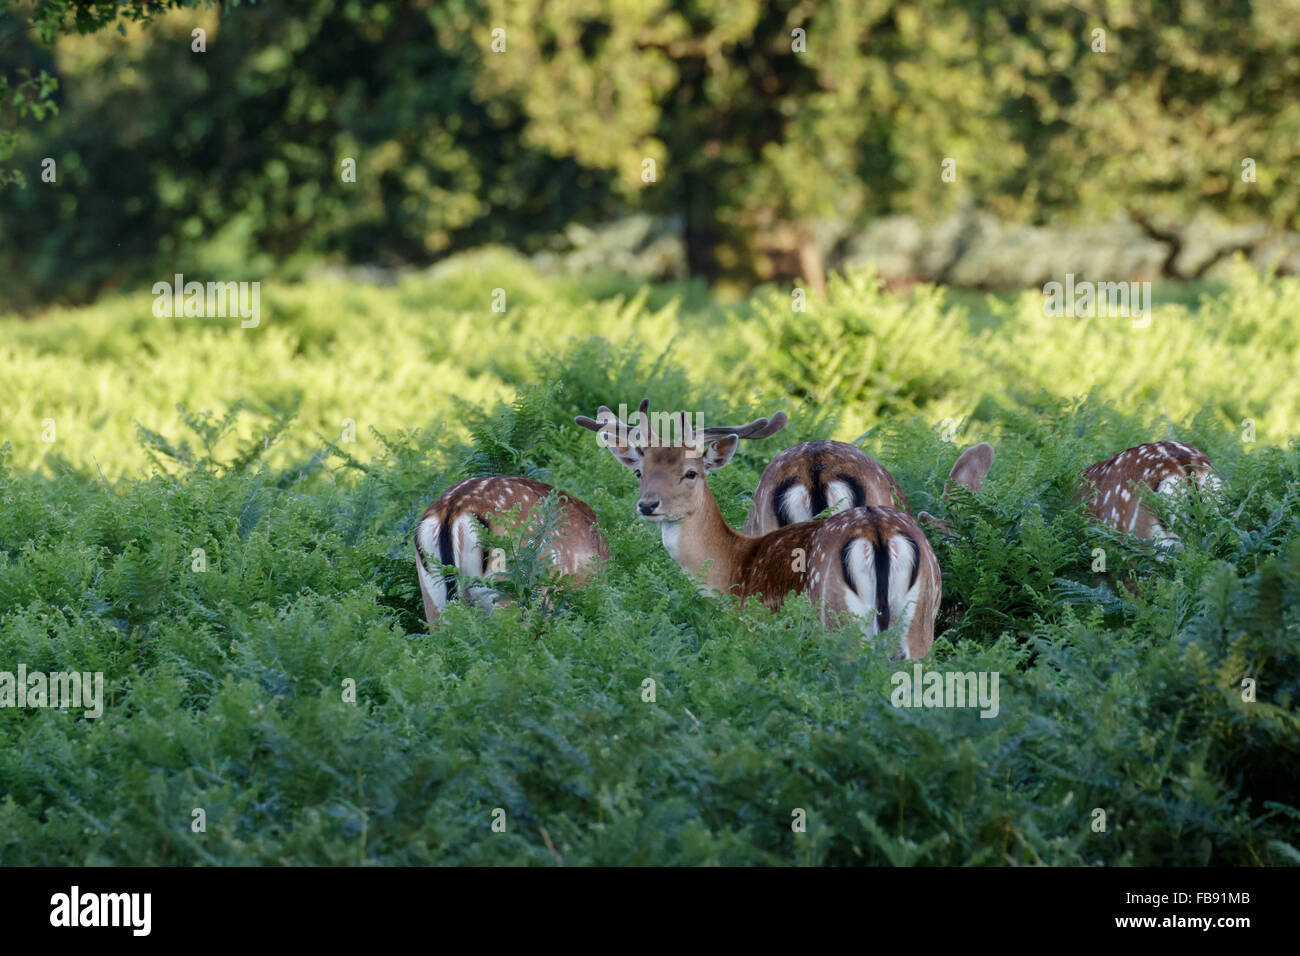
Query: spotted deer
(448, 534)
(870, 563)
(806, 479)
(1113, 488)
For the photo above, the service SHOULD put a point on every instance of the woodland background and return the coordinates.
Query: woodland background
(219, 518)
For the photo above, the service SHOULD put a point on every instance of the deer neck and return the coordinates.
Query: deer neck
(703, 539)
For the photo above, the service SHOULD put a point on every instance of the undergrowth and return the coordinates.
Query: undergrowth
(226, 687)
(244, 580)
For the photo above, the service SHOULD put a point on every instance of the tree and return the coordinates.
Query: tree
(28, 91)
(305, 130)
(763, 118)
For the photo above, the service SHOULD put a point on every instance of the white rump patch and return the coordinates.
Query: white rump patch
(796, 504)
(467, 555)
(861, 598)
(902, 599)
(426, 534)
(1176, 489)
(839, 496)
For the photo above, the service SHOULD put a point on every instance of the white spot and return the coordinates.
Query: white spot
(839, 495)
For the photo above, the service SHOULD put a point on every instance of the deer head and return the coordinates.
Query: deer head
(670, 473)
(969, 471)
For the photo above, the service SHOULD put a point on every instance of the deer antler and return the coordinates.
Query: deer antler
(758, 428)
(605, 419)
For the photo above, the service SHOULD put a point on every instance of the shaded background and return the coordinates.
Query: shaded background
(769, 164)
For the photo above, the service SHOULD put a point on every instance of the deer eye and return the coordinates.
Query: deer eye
(689, 474)
(637, 472)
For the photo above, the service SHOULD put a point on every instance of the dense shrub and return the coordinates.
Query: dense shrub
(225, 688)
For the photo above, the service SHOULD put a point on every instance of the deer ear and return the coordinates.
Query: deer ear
(629, 456)
(719, 451)
(623, 442)
(971, 467)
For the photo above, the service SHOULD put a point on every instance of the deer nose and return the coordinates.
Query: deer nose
(648, 507)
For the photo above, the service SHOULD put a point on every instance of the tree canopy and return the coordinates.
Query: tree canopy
(765, 126)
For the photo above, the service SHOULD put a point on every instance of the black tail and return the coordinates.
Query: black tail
(881, 559)
(446, 556)
(882, 584)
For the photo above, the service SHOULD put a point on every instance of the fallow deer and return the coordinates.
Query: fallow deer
(968, 472)
(804, 480)
(448, 534)
(1113, 488)
(873, 563)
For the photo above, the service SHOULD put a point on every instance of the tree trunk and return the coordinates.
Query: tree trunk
(700, 233)
(811, 267)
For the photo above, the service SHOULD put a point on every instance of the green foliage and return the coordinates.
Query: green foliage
(529, 577)
(772, 126)
(225, 687)
(902, 355)
(196, 184)
(431, 349)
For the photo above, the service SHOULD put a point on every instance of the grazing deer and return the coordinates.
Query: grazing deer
(803, 481)
(968, 472)
(1113, 488)
(448, 534)
(872, 562)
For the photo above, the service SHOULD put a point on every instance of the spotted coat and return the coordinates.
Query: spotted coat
(1113, 488)
(802, 481)
(448, 534)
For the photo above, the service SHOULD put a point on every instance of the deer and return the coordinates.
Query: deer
(872, 563)
(1113, 489)
(448, 534)
(806, 479)
(968, 472)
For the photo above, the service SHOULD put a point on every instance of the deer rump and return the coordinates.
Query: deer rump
(1111, 488)
(448, 534)
(818, 475)
(865, 562)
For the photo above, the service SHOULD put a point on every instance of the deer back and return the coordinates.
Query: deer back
(1112, 488)
(872, 563)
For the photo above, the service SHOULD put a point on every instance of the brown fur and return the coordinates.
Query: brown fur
(1112, 488)
(968, 472)
(578, 548)
(805, 557)
(813, 466)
